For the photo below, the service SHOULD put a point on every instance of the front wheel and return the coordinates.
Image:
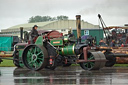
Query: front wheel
(87, 65)
(93, 65)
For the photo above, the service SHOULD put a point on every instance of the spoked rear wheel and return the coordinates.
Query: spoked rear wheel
(34, 57)
(93, 65)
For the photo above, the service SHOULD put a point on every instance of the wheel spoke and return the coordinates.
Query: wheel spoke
(30, 62)
(39, 53)
(90, 58)
(39, 58)
(30, 51)
(35, 65)
(87, 65)
(91, 64)
(35, 50)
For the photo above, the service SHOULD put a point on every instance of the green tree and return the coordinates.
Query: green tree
(35, 19)
(46, 18)
(61, 17)
(54, 18)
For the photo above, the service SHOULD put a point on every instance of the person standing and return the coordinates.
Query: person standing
(34, 33)
(112, 44)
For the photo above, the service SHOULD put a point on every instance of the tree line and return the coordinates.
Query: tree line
(46, 18)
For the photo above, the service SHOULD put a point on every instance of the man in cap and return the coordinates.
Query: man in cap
(34, 33)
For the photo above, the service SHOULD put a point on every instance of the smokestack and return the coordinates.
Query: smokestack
(78, 25)
(21, 34)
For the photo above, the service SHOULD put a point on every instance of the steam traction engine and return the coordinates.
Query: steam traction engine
(52, 49)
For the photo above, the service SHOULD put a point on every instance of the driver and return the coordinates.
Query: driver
(34, 33)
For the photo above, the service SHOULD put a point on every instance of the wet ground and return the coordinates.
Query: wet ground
(64, 76)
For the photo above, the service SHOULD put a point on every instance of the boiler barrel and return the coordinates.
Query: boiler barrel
(67, 50)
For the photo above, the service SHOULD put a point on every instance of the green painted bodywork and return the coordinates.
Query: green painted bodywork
(67, 50)
(56, 42)
(39, 40)
(20, 58)
(20, 49)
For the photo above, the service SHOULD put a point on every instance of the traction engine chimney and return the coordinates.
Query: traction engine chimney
(78, 25)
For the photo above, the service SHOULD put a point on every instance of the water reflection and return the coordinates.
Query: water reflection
(0, 72)
(61, 77)
(67, 75)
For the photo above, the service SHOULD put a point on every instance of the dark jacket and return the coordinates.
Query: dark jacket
(34, 33)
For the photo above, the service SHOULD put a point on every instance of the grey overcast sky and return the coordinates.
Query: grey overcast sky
(14, 12)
